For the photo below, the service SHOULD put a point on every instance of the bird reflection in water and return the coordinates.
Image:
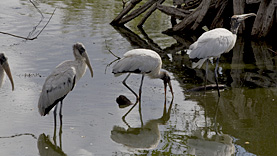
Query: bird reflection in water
(145, 137)
(46, 147)
(210, 143)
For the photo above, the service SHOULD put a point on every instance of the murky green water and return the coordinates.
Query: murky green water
(241, 122)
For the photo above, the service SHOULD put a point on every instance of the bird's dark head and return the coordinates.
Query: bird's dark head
(167, 80)
(3, 59)
(81, 53)
(79, 48)
(237, 19)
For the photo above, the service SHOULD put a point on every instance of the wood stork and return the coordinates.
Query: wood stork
(62, 80)
(4, 66)
(215, 42)
(145, 62)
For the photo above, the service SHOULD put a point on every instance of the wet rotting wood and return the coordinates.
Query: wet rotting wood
(194, 14)
(208, 87)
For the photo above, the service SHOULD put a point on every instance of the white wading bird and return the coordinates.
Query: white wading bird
(142, 61)
(62, 80)
(4, 66)
(215, 42)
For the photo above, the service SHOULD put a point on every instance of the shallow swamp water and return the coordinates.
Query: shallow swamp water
(241, 122)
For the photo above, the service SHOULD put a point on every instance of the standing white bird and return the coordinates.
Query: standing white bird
(142, 61)
(4, 66)
(215, 42)
(62, 80)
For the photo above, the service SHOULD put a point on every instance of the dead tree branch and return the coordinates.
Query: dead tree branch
(34, 28)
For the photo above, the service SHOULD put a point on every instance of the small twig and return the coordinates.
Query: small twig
(14, 35)
(111, 51)
(46, 23)
(117, 57)
(33, 38)
(42, 17)
(123, 4)
(110, 64)
(17, 135)
(37, 8)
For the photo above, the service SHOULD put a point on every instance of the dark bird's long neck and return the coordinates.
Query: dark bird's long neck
(235, 27)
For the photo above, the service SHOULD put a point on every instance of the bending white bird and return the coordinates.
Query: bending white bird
(4, 66)
(142, 61)
(62, 80)
(215, 42)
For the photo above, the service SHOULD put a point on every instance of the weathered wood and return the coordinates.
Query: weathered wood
(238, 8)
(137, 12)
(208, 87)
(149, 13)
(252, 1)
(202, 14)
(237, 63)
(264, 19)
(210, 11)
(218, 20)
(175, 12)
(194, 18)
(132, 4)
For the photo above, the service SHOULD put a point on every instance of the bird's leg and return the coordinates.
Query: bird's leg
(215, 75)
(55, 115)
(60, 136)
(54, 137)
(124, 83)
(206, 75)
(61, 116)
(140, 114)
(140, 88)
(124, 116)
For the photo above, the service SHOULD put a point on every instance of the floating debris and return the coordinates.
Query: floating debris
(123, 101)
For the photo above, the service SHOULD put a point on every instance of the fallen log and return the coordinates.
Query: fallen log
(174, 12)
(208, 87)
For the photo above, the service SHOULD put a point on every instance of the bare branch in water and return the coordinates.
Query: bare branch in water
(124, 4)
(28, 37)
(37, 8)
(46, 23)
(110, 64)
(111, 51)
(42, 17)
(17, 135)
(117, 57)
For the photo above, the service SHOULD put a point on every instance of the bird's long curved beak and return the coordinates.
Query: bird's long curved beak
(169, 84)
(88, 64)
(244, 16)
(6, 68)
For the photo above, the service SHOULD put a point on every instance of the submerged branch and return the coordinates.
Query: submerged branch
(28, 37)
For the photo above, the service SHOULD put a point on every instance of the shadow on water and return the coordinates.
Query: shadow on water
(145, 137)
(247, 109)
(47, 147)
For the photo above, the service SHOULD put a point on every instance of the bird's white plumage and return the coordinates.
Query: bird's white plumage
(143, 61)
(212, 44)
(57, 85)
(62, 80)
